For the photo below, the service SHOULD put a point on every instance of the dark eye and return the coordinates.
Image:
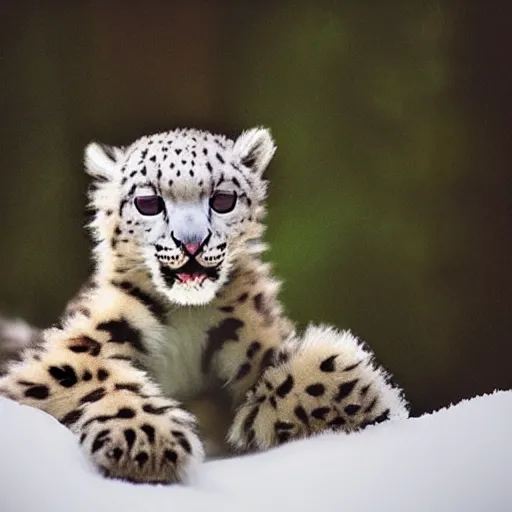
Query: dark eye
(223, 202)
(149, 205)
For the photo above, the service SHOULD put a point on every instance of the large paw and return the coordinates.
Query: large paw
(330, 382)
(141, 440)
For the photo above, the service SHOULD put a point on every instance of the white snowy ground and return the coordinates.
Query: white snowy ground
(458, 459)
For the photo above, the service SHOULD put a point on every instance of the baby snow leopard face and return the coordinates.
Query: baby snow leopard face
(186, 203)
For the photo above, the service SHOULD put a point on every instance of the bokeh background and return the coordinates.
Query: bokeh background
(390, 201)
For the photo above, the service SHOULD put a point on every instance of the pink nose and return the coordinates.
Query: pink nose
(192, 248)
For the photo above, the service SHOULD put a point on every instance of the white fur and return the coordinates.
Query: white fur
(256, 144)
(351, 350)
(175, 360)
(98, 163)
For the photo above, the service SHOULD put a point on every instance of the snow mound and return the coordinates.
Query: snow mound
(457, 459)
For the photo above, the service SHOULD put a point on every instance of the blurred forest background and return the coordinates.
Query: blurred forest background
(390, 199)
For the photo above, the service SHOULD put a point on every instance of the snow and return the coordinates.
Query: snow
(457, 459)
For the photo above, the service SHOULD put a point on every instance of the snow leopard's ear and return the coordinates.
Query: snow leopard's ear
(100, 160)
(254, 149)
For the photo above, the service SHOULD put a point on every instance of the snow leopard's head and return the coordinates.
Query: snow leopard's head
(180, 205)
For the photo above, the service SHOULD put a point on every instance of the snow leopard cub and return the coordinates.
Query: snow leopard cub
(182, 315)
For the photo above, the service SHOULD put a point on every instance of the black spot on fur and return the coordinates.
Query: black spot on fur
(267, 359)
(130, 436)
(327, 365)
(371, 405)
(320, 412)
(117, 453)
(364, 390)
(300, 412)
(352, 409)
(282, 357)
(38, 392)
(102, 374)
(272, 402)
(345, 389)
(120, 357)
(150, 409)
(125, 413)
(283, 389)
(337, 422)
(283, 425)
(243, 371)
(352, 366)
(258, 302)
(64, 375)
(85, 344)
(150, 302)
(227, 309)
(171, 455)
(382, 417)
(141, 458)
(243, 298)
(72, 417)
(217, 336)
(120, 331)
(315, 389)
(134, 388)
(149, 431)
(87, 375)
(93, 396)
(283, 437)
(251, 418)
(99, 440)
(262, 307)
(219, 158)
(123, 203)
(254, 347)
(78, 348)
(185, 444)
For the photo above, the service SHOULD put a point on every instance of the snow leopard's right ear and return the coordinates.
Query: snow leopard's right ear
(100, 160)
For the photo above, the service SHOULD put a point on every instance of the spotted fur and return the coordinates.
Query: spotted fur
(181, 307)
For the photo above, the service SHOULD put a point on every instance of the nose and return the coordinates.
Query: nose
(191, 244)
(192, 248)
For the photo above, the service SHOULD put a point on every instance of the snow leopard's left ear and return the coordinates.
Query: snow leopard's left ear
(100, 160)
(254, 148)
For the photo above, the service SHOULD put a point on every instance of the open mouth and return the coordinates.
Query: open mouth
(190, 273)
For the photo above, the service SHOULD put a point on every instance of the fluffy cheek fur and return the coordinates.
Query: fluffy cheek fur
(193, 293)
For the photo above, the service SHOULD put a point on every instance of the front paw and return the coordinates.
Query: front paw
(330, 382)
(141, 440)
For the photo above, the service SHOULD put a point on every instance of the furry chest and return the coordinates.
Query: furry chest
(175, 360)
